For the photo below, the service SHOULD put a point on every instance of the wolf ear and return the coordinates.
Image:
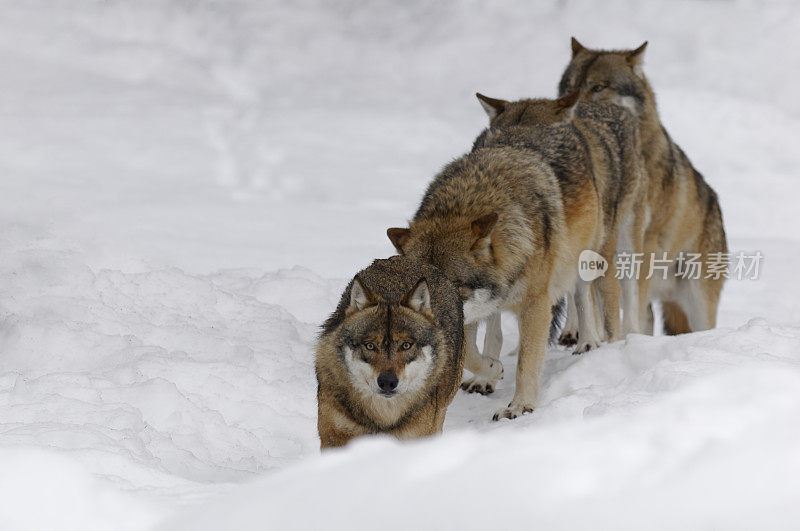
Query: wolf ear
(399, 237)
(576, 47)
(634, 57)
(419, 298)
(359, 296)
(569, 100)
(483, 226)
(492, 106)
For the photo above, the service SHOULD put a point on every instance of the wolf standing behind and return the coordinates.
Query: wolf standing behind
(390, 359)
(685, 216)
(507, 229)
(618, 170)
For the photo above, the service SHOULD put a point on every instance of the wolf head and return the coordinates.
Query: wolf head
(462, 249)
(388, 347)
(504, 113)
(608, 76)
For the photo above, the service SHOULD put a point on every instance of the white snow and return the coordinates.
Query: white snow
(187, 186)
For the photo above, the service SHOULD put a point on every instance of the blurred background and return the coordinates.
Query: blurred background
(213, 134)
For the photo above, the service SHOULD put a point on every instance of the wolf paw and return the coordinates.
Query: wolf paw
(512, 411)
(496, 370)
(585, 347)
(568, 338)
(479, 384)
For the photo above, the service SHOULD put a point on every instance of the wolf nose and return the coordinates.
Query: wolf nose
(387, 381)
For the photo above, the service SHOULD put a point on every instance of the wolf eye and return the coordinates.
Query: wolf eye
(369, 346)
(406, 345)
(598, 88)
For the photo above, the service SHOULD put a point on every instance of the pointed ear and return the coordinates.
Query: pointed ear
(492, 106)
(635, 57)
(360, 297)
(576, 47)
(419, 298)
(483, 226)
(399, 237)
(569, 100)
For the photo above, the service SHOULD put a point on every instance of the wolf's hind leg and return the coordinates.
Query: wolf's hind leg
(699, 300)
(674, 318)
(649, 320)
(569, 336)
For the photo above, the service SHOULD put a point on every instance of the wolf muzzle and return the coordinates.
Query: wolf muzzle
(387, 381)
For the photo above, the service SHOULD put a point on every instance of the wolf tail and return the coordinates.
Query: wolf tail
(559, 313)
(675, 320)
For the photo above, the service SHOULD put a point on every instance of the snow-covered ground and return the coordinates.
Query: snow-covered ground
(187, 186)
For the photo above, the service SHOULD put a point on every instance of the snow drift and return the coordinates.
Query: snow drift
(691, 434)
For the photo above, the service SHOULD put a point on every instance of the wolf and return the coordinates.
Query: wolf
(390, 357)
(567, 150)
(506, 223)
(613, 140)
(684, 211)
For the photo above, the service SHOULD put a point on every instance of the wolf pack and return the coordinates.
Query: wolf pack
(503, 228)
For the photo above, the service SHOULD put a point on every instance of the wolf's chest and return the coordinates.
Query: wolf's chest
(515, 294)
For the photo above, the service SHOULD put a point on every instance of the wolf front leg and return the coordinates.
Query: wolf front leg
(493, 341)
(330, 424)
(534, 328)
(485, 371)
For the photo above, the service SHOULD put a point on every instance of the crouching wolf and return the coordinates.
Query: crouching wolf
(685, 216)
(390, 359)
(507, 227)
